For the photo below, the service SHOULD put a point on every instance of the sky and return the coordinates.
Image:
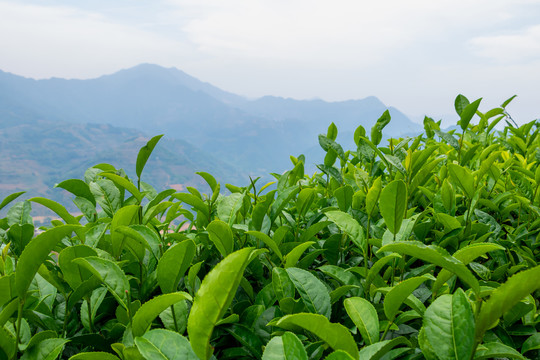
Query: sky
(415, 55)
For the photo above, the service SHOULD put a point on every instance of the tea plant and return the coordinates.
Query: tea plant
(425, 248)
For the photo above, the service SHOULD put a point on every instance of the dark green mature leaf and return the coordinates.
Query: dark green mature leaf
(532, 343)
(505, 297)
(152, 308)
(214, 298)
(344, 196)
(437, 256)
(173, 265)
(144, 154)
(312, 291)
(162, 344)
(365, 317)
(335, 335)
(35, 254)
(449, 326)
(245, 336)
(393, 204)
(7, 288)
(110, 274)
(285, 347)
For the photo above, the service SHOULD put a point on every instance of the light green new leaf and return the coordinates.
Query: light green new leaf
(144, 154)
(221, 235)
(214, 297)
(285, 347)
(434, 255)
(393, 204)
(48, 349)
(304, 201)
(98, 355)
(194, 201)
(282, 284)
(365, 317)
(463, 178)
(460, 103)
(378, 350)
(210, 180)
(268, 241)
(57, 208)
(465, 255)
(397, 295)
(372, 196)
(173, 265)
(376, 268)
(228, 207)
(107, 195)
(505, 297)
(346, 223)
(78, 188)
(497, 350)
(7, 288)
(291, 259)
(110, 274)
(7, 342)
(124, 183)
(312, 291)
(35, 253)
(73, 273)
(335, 335)
(344, 195)
(339, 355)
(152, 308)
(122, 217)
(10, 198)
(160, 344)
(449, 326)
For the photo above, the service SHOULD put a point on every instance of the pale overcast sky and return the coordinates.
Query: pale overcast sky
(416, 55)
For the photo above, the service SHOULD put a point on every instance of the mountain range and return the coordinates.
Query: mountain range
(54, 129)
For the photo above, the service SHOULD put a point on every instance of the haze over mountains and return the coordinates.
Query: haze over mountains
(54, 129)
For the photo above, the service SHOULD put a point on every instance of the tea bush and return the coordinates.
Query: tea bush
(424, 248)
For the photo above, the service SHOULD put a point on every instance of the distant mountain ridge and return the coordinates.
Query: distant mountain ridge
(251, 137)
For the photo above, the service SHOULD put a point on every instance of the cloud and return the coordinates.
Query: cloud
(518, 46)
(41, 41)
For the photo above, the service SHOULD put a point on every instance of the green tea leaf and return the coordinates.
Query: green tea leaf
(365, 317)
(268, 241)
(10, 198)
(110, 274)
(107, 195)
(160, 344)
(213, 299)
(291, 259)
(505, 297)
(312, 291)
(122, 217)
(397, 295)
(335, 335)
(449, 326)
(144, 154)
(282, 284)
(344, 197)
(378, 350)
(48, 349)
(467, 113)
(173, 265)
(97, 355)
(437, 256)
(285, 347)
(73, 273)
(532, 343)
(393, 204)
(460, 104)
(152, 308)
(372, 197)
(35, 253)
(463, 178)
(497, 350)
(221, 235)
(346, 223)
(124, 183)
